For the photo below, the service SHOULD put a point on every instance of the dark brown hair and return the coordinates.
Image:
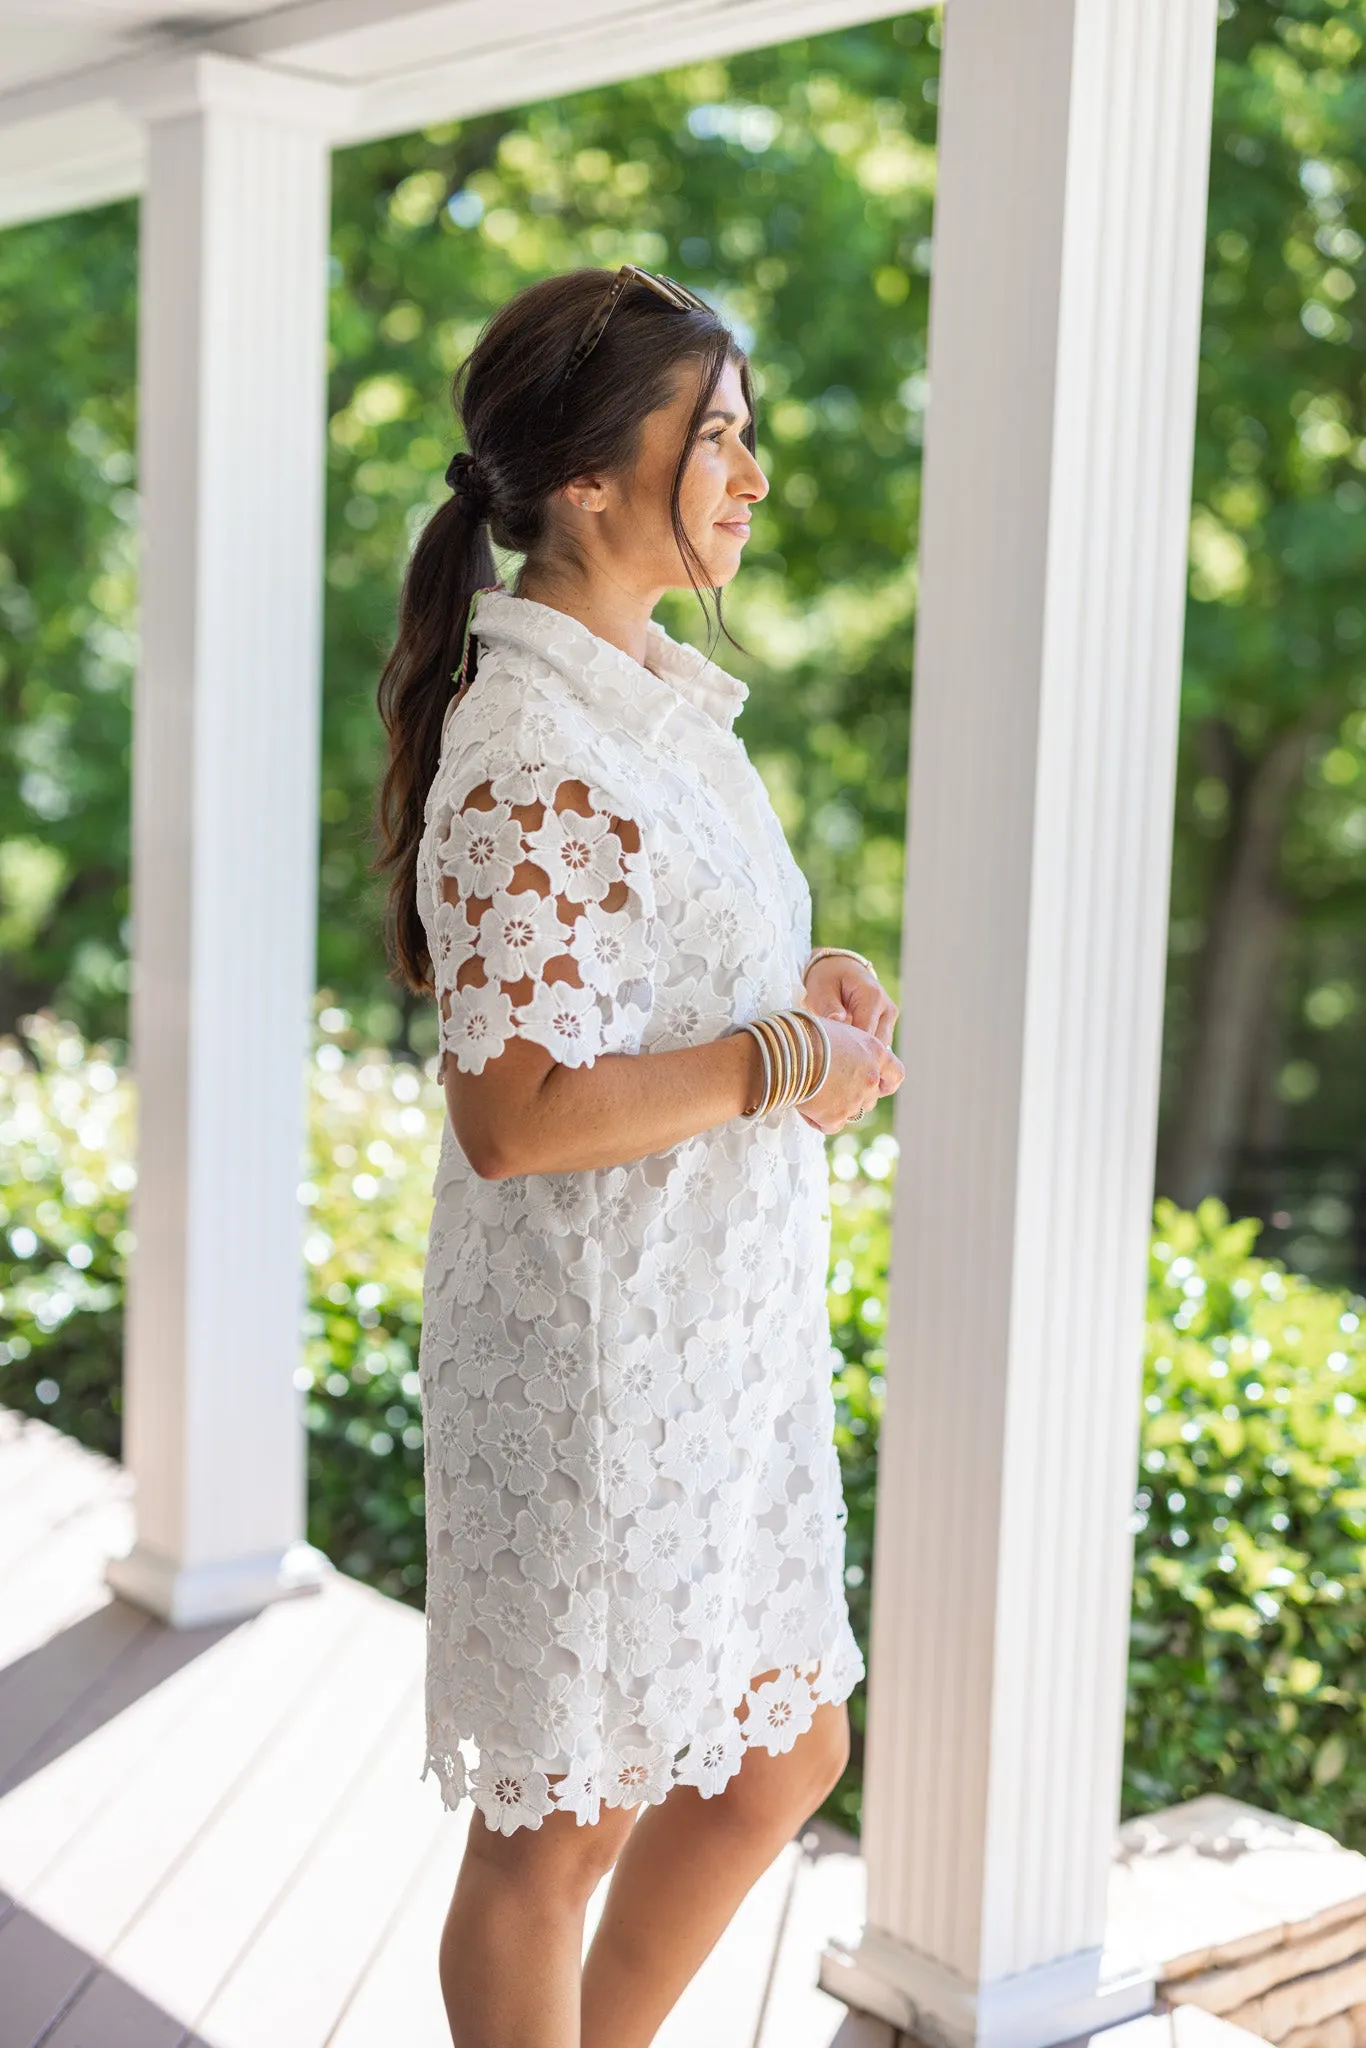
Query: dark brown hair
(529, 431)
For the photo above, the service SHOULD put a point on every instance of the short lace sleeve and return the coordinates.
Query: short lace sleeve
(544, 925)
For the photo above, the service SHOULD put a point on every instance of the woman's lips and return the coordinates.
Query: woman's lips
(739, 527)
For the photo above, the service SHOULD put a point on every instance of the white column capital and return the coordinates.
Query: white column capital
(203, 81)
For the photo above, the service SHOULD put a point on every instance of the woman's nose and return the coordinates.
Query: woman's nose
(754, 484)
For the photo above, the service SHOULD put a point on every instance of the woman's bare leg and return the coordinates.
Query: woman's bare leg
(685, 1868)
(511, 1946)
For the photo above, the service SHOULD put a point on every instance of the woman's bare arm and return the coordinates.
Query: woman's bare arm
(528, 1114)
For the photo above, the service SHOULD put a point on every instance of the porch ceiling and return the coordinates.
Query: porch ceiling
(66, 141)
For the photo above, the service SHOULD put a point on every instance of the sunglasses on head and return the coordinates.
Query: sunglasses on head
(674, 295)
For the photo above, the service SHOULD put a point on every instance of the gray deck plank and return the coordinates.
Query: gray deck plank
(358, 1871)
(39, 1692)
(399, 1996)
(233, 1878)
(86, 1763)
(111, 2014)
(63, 1578)
(62, 1481)
(28, 1449)
(39, 1971)
(112, 1867)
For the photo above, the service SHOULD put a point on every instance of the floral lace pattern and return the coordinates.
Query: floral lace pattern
(635, 1527)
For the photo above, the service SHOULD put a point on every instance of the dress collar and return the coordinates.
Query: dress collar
(679, 680)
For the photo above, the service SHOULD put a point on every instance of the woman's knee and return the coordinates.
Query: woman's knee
(784, 1790)
(828, 1753)
(562, 1859)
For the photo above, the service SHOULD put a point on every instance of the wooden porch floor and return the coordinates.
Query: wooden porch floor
(217, 1838)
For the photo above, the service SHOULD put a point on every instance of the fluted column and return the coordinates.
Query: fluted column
(225, 768)
(1068, 244)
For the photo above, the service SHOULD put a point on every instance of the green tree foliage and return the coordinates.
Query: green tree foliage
(67, 591)
(1264, 1029)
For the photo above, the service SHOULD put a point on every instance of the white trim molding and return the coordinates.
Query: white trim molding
(375, 68)
(1068, 240)
(196, 81)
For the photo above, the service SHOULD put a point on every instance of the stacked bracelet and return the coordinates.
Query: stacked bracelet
(795, 1059)
(846, 952)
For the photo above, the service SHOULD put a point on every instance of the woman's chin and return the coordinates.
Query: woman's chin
(723, 563)
(716, 564)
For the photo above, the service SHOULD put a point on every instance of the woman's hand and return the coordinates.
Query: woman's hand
(862, 1069)
(839, 989)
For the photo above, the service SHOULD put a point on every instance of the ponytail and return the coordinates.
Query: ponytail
(452, 561)
(510, 406)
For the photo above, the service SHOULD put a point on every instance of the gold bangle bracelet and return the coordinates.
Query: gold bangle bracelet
(801, 1055)
(806, 1054)
(821, 1062)
(786, 1061)
(825, 952)
(764, 1026)
(794, 1048)
(767, 1087)
(811, 1057)
(789, 1082)
(794, 1056)
(828, 1056)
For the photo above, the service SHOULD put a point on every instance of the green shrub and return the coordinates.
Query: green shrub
(1248, 1648)
(66, 1151)
(861, 1172)
(66, 1138)
(1249, 1618)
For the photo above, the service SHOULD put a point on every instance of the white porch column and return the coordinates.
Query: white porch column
(225, 770)
(1068, 243)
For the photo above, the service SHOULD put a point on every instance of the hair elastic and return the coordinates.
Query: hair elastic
(469, 482)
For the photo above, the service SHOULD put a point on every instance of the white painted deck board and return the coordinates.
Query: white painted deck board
(38, 1695)
(186, 1943)
(50, 1491)
(335, 1912)
(220, 1838)
(95, 1890)
(83, 1767)
(61, 1580)
(399, 1998)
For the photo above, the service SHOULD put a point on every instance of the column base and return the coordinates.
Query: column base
(1036, 2009)
(191, 1596)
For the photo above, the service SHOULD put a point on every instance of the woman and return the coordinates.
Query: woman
(635, 1602)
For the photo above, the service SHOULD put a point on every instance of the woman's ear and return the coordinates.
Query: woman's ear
(584, 493)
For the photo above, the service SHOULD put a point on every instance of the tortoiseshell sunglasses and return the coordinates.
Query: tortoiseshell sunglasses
(675, 295)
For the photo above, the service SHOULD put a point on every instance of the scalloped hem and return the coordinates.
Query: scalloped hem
(511, 1790)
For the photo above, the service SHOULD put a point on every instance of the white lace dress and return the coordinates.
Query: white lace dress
(633, 1496)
